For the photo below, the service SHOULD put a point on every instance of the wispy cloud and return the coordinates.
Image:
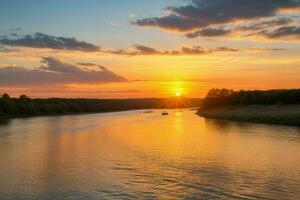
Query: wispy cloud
(40, 40)
(114, 23)
(209, 32)
(55, 44)
(55, 71)
(281, 32)
(184, 51)
(5, 49)
(265, 24)
(131, 15)
(246, 29)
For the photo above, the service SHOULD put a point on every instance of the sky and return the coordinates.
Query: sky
(142, 48)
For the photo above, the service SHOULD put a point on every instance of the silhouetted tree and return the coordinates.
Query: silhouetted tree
(226, 97)
(26, 106)
(23, 97)
(5, 96)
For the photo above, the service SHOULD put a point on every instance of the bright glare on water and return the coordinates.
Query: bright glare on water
(134, 154)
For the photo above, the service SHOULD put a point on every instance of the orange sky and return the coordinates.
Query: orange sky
(136, 55)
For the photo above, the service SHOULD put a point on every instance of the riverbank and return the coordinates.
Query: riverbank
(9, 117)
(26, 107)
(271, 114)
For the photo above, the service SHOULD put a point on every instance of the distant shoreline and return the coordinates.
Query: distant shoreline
(26, 107)
(60, 114)
(268, 114)
(8, 117)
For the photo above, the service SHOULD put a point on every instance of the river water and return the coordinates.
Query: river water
(138, 155)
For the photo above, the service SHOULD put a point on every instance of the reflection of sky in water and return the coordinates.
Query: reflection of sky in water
(137, 154)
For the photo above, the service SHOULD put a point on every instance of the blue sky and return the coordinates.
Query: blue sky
(88, 20)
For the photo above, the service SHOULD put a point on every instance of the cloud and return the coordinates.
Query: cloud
(40, 40)
(266, 24)
(60, 43)
(114, 24)
(206, 18)
(247, 29)
(141, 50)
(225, 49)
(266, 49)
(54, 71)
(138, 50)
(282, 32)
(93, 65)
(132, 15)
(203, 13)
(209, 32)
(4, 49)
(196, 50)
(147, 50)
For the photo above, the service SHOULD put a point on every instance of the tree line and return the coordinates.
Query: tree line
(25, 106)
(228, 97)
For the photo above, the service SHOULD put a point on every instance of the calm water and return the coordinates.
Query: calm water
(131, 155)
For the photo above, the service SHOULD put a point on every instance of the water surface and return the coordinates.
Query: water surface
(134, 154)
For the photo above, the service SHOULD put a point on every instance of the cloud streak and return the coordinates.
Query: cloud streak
(141, 50)
(4, 49)
(54, 71)
(44, 41)
(283, 21)
(209, 32)
(40, 40)
(248, 27)
(282, 32)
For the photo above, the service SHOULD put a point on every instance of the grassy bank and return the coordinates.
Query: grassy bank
(272, 114)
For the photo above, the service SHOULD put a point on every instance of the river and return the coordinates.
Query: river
(139, 155)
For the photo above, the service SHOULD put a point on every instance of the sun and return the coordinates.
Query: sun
(178, 94)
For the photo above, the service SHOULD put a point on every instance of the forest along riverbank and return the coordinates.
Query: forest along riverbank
(271, 114)
(273, 106)
(26, 107)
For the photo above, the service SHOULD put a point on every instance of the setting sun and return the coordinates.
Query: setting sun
(178, 94)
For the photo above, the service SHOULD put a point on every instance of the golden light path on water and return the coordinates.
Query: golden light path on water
(135, 154)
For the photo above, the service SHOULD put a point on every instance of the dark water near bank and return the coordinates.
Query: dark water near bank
(137, 155)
